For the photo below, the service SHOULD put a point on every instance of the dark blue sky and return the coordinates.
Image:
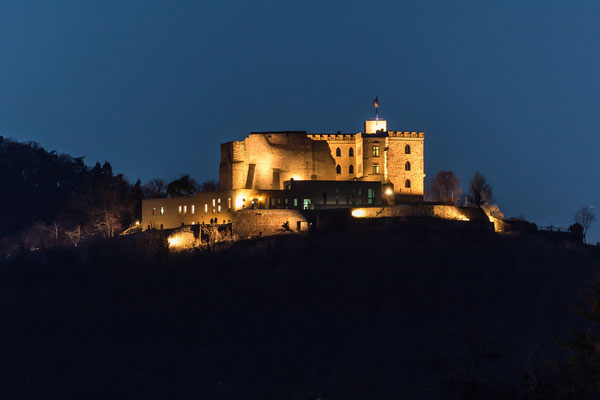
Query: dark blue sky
(509, 88)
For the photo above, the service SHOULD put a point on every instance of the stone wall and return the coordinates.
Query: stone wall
(423, 211)
(396, 164)
(253, 223)
(265, 161)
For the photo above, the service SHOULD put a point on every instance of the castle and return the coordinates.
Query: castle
(296, 170)
(264, 160)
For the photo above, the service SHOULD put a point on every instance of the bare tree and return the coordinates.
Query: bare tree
(585, 217)
(480, 191)
(155, 188)
(74, 235)
(210, 185)
(53, 229)
(445, 187)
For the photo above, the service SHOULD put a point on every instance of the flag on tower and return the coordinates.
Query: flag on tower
(375, 103)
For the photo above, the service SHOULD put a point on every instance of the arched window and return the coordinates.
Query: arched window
(407, 166)
(338, 169)
(407, 183)
(338, 152)
(407, 149)
(351, 169)
(351, 152)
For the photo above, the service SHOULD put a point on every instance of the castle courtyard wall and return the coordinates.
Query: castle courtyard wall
(253, 223)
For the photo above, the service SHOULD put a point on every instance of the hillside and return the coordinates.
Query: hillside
(361, 314)
(53, 199)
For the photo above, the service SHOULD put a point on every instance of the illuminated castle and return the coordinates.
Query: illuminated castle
(265, 160)
(292, 173)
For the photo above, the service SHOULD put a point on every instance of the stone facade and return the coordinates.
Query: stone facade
(264, 160)
(252, 223)
(220, 206)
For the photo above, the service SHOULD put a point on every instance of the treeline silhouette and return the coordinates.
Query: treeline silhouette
(54, 199)
(51, 199)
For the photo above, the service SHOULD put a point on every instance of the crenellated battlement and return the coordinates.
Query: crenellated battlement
(332, 137)
(406, 134)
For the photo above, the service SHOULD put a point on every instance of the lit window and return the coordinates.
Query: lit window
(193, 209)
(306, 204)
(351, 169)
(179, 209)
(184, 209)
(338, 169)
(375, 168)
(407, 166)
(407, 149)
(162, 211)
(338, 152)
(219, 208)
(229, 203)
(205, 208)
(219, 201)
(351, 152)
(214, 202)
(407, 183)
(375, 151)
(370, 196)
(154, 211)
(295, 202)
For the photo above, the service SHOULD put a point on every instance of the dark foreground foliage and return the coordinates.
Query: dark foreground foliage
(355, 315)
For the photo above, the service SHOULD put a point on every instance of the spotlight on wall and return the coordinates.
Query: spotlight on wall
(358, 213)
(388, 191)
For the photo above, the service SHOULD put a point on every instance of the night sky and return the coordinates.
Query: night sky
(509, 88)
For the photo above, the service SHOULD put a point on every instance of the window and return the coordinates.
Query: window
(219, 208)
(179, 209)
(375, 151)
(162, 211)
(154, 211)
(205, 208)
(295, 202)
(351, 152)
(375, 168)
(338, 152)
(370, 196)
(338, 169)
(214, 202)
(193, 209)
(407, 166)
(351, 169)
(229, 203)
(407, 183)
(306, 204)
(407, 149)
(185, 209)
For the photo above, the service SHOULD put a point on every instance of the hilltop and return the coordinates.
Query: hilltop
(357, 314)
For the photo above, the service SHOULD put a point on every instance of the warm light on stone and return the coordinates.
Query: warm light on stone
(358, 213)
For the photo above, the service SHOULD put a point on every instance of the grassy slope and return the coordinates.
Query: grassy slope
(357, 312)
